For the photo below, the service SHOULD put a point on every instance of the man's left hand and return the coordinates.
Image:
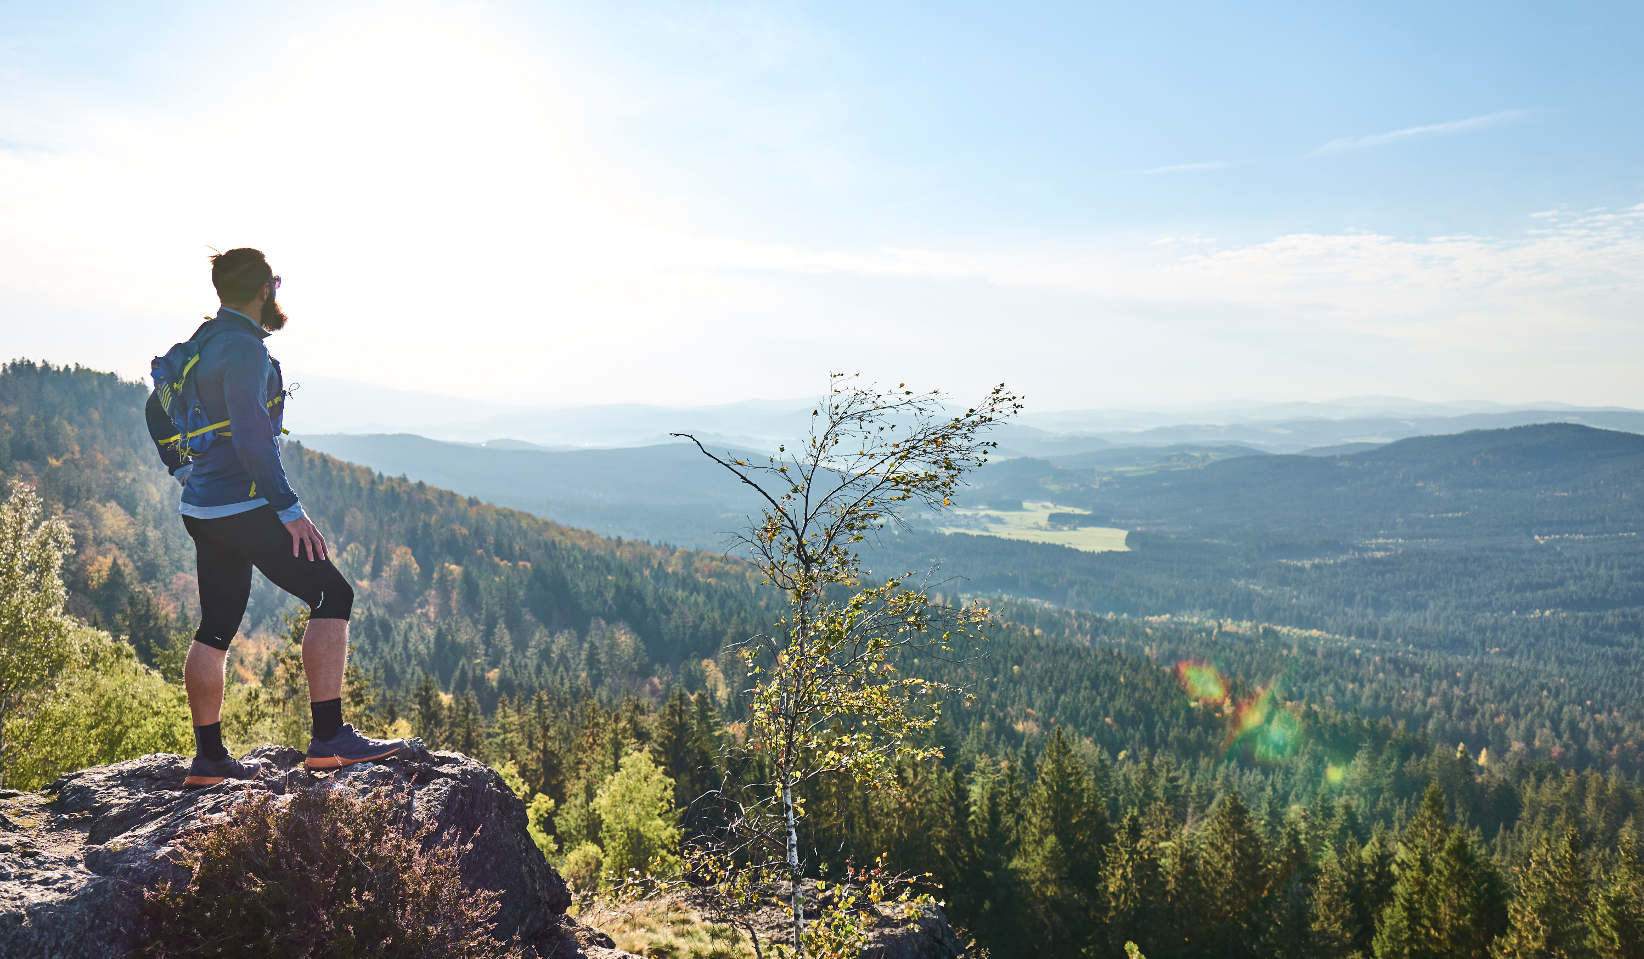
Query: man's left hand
(303, 531)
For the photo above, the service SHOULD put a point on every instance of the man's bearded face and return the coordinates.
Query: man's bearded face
(273, 318)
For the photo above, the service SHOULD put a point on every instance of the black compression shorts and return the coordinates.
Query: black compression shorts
(229, 546)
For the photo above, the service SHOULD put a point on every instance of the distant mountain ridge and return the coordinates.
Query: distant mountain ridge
(1297, 435)
(1545, 478)
(671, 493)
(333, 406)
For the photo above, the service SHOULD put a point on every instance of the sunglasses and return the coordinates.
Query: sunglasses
(276, 282)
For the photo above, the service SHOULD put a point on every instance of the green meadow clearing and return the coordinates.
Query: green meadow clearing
(1031, 523)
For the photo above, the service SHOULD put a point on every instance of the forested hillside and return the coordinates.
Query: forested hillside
(1210, 787)
(665, 493)
(1519, 540)
(1522, 541)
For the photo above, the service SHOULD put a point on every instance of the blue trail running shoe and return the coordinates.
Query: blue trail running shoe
(210, 772)
(349, 747)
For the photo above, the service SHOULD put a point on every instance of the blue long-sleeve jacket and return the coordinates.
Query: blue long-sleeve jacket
(236, 380)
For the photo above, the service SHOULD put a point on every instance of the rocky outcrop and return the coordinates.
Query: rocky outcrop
(75, 858)
(926, 937)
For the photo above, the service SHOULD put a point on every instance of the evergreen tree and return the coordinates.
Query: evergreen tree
(542, 763)
(463, 680)
(1185, 886)
(988, 898)
(1287, 856)
(505, 742)
(593, 665)
(1233, 878)
(1447, 902)
(1320, 821)
(147, 627)
(1618, 907)
(1549, 911)
(1101, 777)
(677, 748)
(1136, 890)
(707, 733)
(111, 594)
(961, 862)
(1335, 925)
(1285, 921)
(1472, 897)
(1376, 882)
(428, 712)
(465, 734)
(1404, 930)
(1064, 834)
(1272, 818)
(703, 774)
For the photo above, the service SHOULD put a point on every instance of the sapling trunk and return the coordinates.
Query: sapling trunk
(794, 877)
(790, 824)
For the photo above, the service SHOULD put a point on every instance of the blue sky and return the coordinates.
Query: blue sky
(695, 203)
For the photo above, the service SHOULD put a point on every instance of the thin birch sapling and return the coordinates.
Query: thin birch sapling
(827, 696)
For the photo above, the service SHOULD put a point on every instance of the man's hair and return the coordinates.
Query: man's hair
(239, 274)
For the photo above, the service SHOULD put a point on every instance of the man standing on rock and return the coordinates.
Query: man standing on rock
(241, 512)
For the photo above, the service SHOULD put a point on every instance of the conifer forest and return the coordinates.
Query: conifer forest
(1346, 738)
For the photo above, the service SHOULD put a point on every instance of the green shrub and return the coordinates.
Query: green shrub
(539, 810)
(104, 708)
(639, 826)
(320, 873)
(70, 696)
(581, 868)
(35, 643)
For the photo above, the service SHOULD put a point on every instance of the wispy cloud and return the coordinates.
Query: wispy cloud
(1185, 168)
(1430, 130)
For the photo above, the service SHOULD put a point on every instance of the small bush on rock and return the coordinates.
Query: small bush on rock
(581, 868)
(320, 873)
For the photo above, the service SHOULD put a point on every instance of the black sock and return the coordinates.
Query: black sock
(327, 718)
(208, 742)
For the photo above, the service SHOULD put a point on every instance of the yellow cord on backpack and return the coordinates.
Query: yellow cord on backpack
(181, 441)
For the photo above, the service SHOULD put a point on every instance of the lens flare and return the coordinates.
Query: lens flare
(1262, 726)
(1334, 774)
(1201, 680)
(1279, 738)
(1251, 714)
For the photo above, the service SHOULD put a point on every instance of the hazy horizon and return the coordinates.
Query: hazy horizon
(331, 408)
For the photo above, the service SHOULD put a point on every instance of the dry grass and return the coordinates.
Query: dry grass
(666, 930)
